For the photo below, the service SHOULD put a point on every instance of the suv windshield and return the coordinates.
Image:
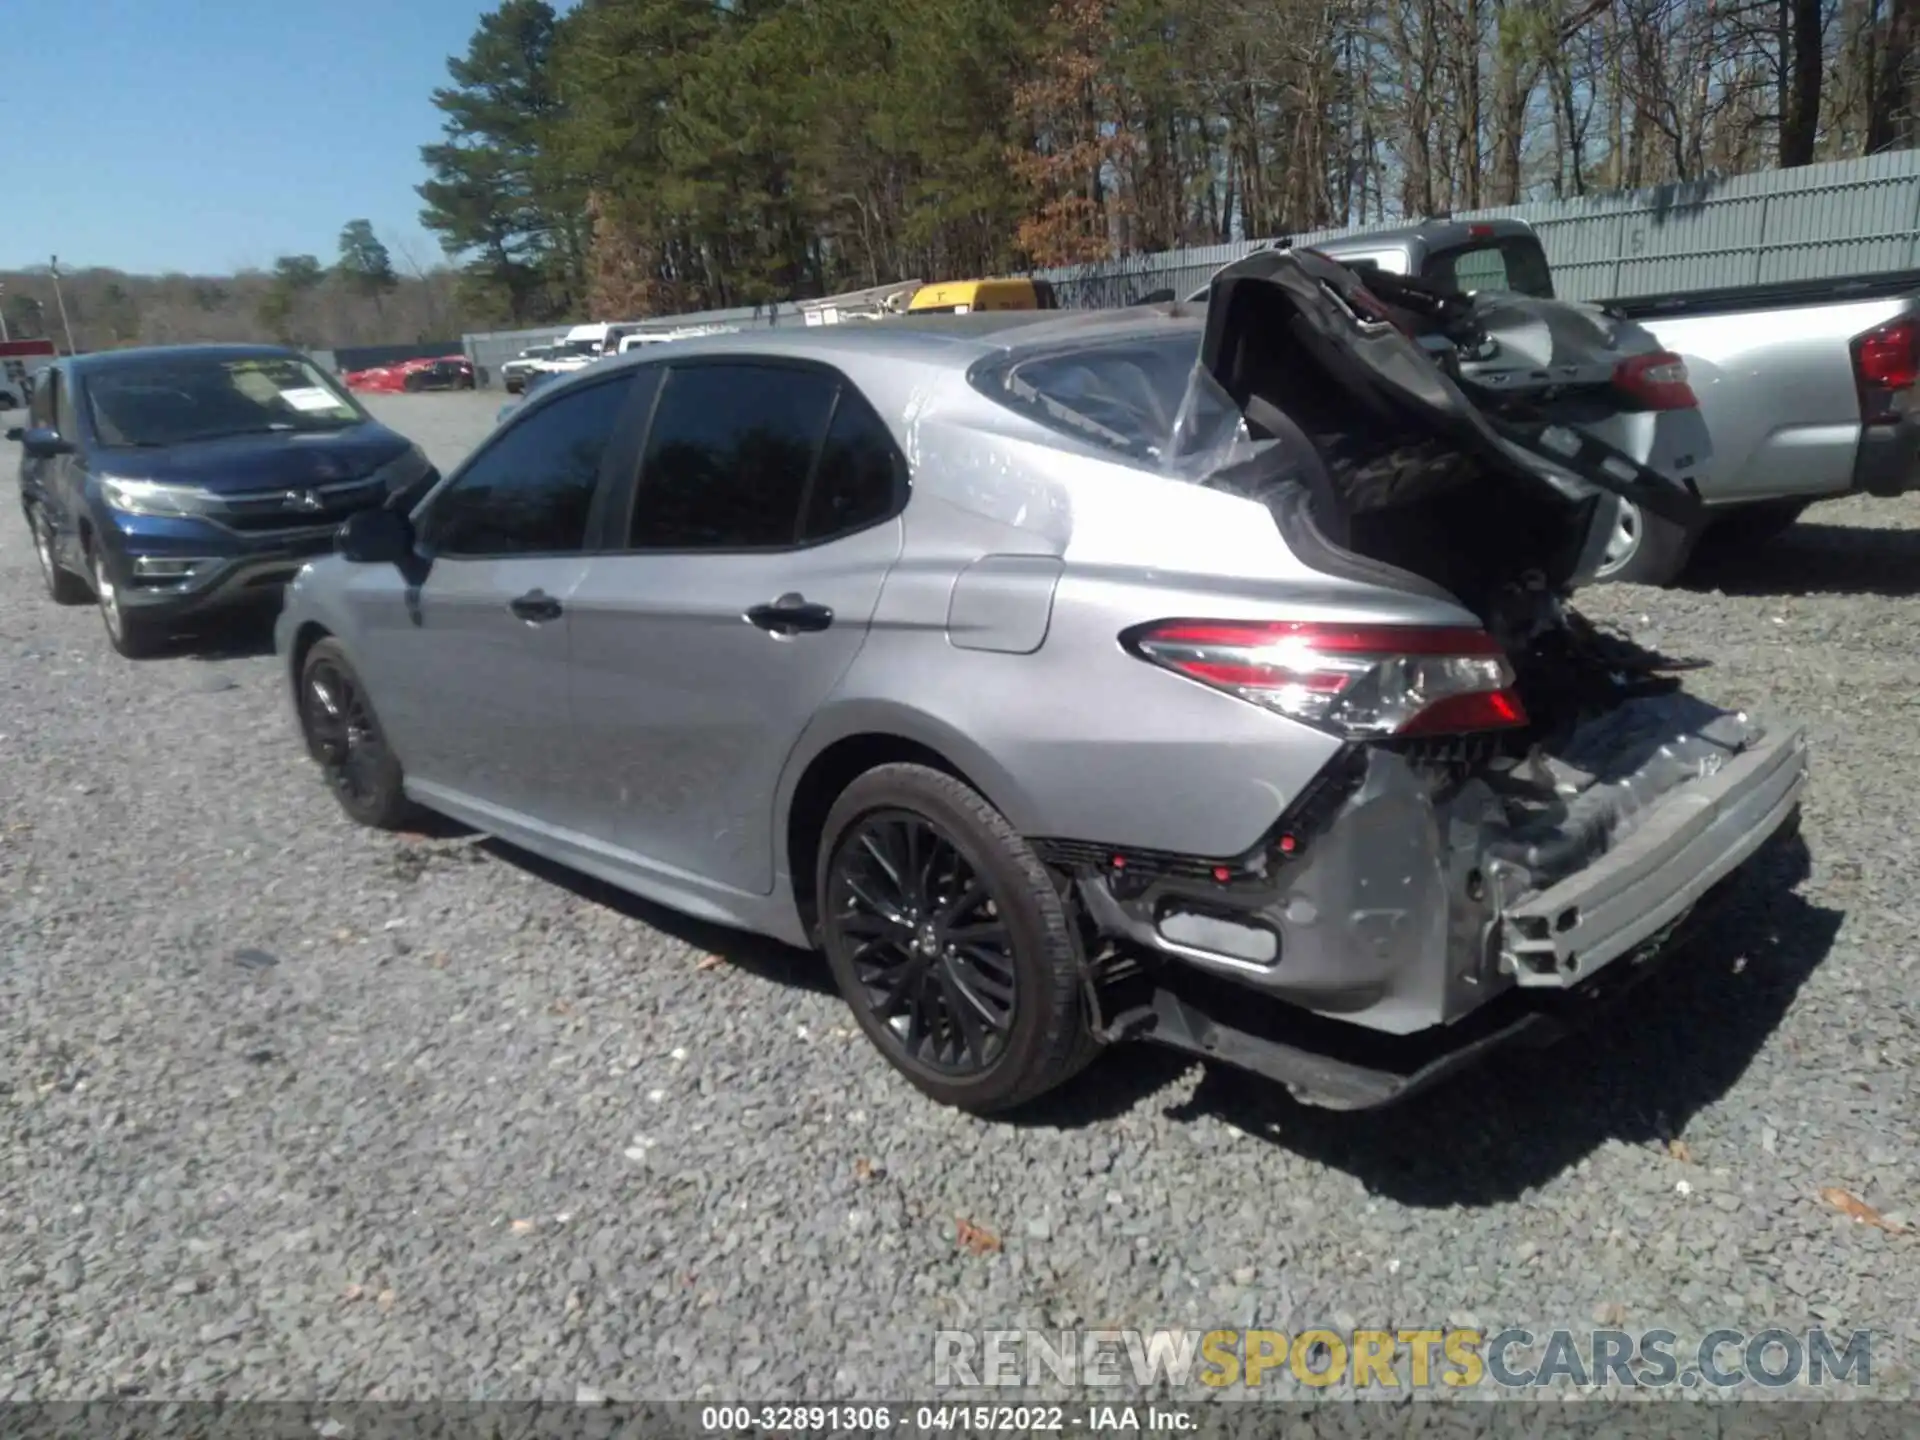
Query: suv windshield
(174, 400)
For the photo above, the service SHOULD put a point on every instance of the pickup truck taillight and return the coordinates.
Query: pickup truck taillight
(1886, 366)
(1657, 381)
(1357, 681)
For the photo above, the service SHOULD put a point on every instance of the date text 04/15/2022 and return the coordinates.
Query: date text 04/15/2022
(937, 1419)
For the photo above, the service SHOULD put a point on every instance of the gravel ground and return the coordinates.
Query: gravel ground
(290, 1109)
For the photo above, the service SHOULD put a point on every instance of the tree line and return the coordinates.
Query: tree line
(643, 157)
(359, 297)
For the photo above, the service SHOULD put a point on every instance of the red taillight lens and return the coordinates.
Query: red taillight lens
(1658, 381)
(1358, 681)
(1886, 365)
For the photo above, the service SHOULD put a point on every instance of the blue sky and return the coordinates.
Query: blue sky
(211, 135)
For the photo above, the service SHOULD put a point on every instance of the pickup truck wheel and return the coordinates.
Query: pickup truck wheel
(949, 941)
(344, 737)
(1644, 549)
(63, 586)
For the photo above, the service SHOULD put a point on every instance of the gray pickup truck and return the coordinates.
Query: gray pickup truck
(1808, 388)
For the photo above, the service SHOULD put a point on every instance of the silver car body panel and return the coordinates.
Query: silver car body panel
(1777, 391)
(657, 741)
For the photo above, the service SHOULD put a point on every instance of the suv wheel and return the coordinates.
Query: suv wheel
(134, 636)
(63, 586)
(344, 737)
(950, 941)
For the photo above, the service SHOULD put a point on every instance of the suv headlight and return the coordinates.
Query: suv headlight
(404, 471)
(153, 497)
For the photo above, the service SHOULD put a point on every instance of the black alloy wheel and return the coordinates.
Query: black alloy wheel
(926, 938)
(343, 735)
(950, 941)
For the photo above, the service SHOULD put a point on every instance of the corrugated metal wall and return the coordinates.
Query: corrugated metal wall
(1824, 221)
(1820, 222)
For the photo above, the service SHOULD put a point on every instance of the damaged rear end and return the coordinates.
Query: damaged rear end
(1519, 813)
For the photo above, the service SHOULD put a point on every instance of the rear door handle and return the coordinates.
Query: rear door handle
(536, 607)
(790, 615)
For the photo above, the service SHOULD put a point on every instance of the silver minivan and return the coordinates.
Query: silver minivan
(1203, 674)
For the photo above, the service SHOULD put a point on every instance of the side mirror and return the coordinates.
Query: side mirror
(43, 442)
(375, 537)
(403, 500)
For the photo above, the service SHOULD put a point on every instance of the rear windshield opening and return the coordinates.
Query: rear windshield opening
(1122, 395)
(1515, 263)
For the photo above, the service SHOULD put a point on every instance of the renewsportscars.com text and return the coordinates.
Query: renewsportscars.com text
(1411, 1359)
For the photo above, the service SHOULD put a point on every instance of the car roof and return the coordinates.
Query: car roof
(106, 359)
(940, 340)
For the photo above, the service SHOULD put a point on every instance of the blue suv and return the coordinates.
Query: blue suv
(172, 482)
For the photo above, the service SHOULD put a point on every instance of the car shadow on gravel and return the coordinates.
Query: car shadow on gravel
(1813, 559)
(245, 635)
(758, 955)
(1674, 1045)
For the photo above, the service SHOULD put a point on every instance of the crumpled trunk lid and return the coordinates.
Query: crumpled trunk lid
(1407, 442)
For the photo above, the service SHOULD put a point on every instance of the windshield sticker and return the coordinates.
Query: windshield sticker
(312, 398)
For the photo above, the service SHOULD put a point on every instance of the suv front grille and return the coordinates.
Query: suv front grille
(298, 508)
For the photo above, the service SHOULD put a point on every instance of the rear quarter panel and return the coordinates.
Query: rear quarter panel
(1077, 738)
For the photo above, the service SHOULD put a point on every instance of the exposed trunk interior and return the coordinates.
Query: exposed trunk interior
(1383, 462)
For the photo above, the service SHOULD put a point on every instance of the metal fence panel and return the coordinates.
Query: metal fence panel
(1846, 217)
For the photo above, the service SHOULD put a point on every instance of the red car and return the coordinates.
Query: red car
(444, 372)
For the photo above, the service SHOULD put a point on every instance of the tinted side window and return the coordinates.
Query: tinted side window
(861, 473)
(530, 491)
(728, 457)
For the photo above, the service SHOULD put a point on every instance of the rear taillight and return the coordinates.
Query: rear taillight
(1357, 681)
(1657, 381)
(1886, 366)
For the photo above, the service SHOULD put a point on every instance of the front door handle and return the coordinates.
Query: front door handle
(790, 615)
(535, 607)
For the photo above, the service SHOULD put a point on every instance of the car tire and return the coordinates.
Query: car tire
(62, 585)
(133, 636)
(994, 1019)
(413, 383)
(344, 738)
(1645, 549)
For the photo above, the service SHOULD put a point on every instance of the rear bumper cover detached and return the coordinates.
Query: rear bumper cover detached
(1444, 952)
(1647, 882)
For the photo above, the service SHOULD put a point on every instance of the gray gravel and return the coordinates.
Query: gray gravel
(294, 1110)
